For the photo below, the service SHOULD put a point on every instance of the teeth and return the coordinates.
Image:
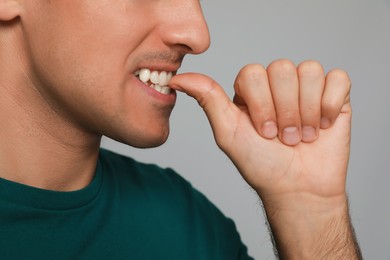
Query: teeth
(144, 75)
(159, 80)
(154, 77)
(158, 88)
(166, 90)
(162, 89)
(163, 78)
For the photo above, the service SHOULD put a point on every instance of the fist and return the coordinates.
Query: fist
(289, 102)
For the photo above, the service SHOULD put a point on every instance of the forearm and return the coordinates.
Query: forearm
(315, 230)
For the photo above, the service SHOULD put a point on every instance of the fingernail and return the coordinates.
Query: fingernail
(325, 122)
(269, 129)
(308, 133)
(291, 135)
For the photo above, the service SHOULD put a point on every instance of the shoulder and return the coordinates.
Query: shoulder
(157, 185)
(163, 197)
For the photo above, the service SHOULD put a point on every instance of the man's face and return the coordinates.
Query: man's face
(83, 56)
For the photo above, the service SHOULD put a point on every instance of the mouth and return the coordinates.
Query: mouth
(158, 80)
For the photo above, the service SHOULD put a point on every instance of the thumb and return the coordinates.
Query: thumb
(233, 129)
(220, 111)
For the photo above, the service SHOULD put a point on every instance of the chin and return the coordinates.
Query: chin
(149, 143)
(144, 140)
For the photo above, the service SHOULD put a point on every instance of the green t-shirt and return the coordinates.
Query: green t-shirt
(129, 211)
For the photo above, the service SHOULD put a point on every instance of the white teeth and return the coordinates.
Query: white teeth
(162, 89)
(166, 90)
(154, 77)
(163, 78)
(158, 88)
(159, 80)
(170, 75)
(144, 75)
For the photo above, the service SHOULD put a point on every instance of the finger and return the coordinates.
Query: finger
(252, 90)
(335, 97)
(284, 85)
(212, 98)
(311, 86)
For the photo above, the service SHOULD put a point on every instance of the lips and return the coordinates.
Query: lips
(158, 80)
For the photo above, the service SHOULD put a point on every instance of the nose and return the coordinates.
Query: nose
(185, 26)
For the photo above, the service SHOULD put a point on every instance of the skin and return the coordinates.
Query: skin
(67, 79)
(301, 183)
(70, 88)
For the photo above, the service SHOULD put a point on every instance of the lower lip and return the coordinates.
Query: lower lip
(168, 99)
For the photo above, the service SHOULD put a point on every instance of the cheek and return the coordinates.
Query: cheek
(84, 41)
(80, 38)
(81, 65)
(67, 61)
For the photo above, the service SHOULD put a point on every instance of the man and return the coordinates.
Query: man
(72, 71)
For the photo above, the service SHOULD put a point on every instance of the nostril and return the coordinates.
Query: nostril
(183, 48)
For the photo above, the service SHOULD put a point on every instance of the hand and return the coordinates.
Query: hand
(288, 129)
(288, 133)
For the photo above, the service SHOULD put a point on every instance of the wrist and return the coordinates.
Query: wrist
(302, 204)
(309, 227)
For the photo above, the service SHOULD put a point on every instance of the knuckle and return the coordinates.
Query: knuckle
(339, 76)
(252, 73)
(283, 68)
(330, 106)
(310, 68)
(210, 90)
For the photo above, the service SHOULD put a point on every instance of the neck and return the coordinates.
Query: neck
(44, 154)
(39, 147)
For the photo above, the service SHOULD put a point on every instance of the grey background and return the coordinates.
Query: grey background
(350, 34)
